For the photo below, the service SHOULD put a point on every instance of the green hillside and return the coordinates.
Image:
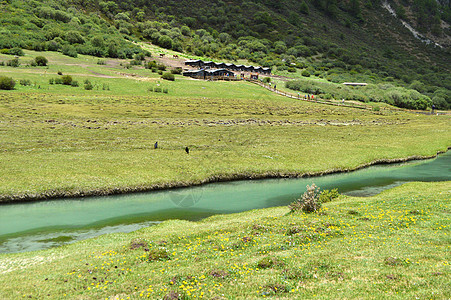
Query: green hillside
(335, 40)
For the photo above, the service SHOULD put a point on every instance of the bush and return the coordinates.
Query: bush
(69, 51)
(305, 73)
(25, 82)
(88, 85)
(168, 76)
(327, 196)
(16, 51)
(51, 81)
(13, 63)
(135, 62)
(267, 79)
(176, 71)
(309, 201)
(74, 83)
(41, 61)
(165, 42)
(306, 87)
(7, 83)
(66, 80)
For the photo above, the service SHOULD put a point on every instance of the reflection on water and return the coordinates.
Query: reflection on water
(40, 225)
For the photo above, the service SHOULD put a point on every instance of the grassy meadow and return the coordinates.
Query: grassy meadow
(394, 245)
(66, 141)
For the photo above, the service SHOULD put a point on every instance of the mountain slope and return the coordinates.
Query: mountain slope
(325, 37)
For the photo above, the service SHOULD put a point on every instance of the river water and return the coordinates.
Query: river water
(45, 224)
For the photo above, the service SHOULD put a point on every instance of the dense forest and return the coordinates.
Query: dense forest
(333, 39)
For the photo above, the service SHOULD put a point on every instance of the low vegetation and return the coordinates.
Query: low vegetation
(398, 96)
(7, 83)
(394, 245)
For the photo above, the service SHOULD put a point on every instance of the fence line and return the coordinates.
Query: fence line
(289, 95)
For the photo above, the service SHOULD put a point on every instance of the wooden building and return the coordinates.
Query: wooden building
(209, 64)
(195, 63)
(210, 74)
(266, 71)
(227, 66)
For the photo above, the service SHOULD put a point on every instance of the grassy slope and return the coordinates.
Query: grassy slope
(394, 245)
(61, 140)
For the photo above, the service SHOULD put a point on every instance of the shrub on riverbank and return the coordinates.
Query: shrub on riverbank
(309, 202)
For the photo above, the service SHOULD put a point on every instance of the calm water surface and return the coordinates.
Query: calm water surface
(40, 225)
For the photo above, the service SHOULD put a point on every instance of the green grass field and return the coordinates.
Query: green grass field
(63, 141)
(394, 245)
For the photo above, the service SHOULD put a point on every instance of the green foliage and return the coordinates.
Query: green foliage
(305, 73)
(25, 82)
(88, 85)
(328, 195)
(267, 79)
(41, 61)
(309, 202)
(14, 51)
(13, 63)
(7, 83)
(69, 51)
(165, 42)
(304, 86)
(66, 79)
(168, 76)
(176, 71)
(303, 7)
(74, 37)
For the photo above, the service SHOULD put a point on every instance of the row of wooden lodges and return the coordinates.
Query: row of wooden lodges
(211, 74)
(227, 66)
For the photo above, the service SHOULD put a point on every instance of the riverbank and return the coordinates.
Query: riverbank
(219, 178)
(390, 245)
(61, 145)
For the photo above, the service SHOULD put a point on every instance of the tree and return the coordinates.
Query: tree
(304, 8)
(41, 61)
(74, 37)
(355, 8)
(280, 47)
(165, 42)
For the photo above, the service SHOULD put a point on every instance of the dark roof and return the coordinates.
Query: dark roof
(212, 71)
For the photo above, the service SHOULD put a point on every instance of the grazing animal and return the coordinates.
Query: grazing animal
(161, 54)
(187, 150)
(175, 56)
